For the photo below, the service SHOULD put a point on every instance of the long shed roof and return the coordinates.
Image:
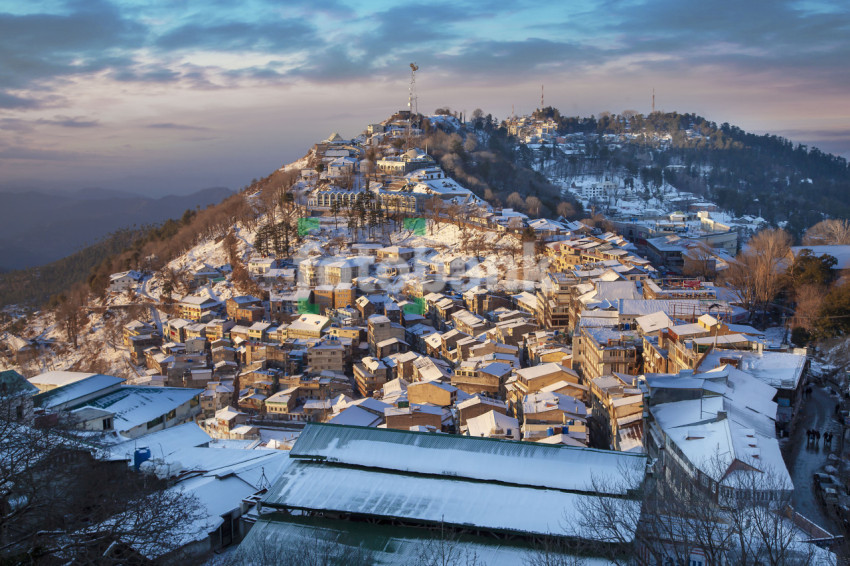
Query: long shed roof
(483, 459)
(427, 499)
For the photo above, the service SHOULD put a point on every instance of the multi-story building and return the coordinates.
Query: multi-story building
(370, 374)
(329, 355)
(198, 309)
(535, 378)
(617, 409)
(553, 300)
(484, 377)
(608, 350)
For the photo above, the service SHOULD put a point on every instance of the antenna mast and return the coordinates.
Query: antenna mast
(653, 100)
(412, 103)
(542, 106)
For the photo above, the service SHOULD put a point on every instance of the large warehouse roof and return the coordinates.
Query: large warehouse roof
(430, 500)
(483, 459)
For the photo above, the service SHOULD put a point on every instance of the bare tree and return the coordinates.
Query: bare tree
(312, 550)
(515, 200)
(740, 516)
(757, 272)
(433, 208)
(445, 549)
(566, 209)
(64, 503)
(69, 313)
(553, 552)
(532, 205)
(809, 299)
(828, 232)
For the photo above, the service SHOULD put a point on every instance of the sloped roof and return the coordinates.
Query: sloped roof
(474, 458)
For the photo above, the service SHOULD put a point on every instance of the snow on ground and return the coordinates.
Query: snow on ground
(297, 165)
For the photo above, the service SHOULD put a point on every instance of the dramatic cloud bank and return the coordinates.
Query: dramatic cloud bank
(173, 96)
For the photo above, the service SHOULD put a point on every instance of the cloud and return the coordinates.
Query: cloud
(11, 101)
(173, 126)
(91, 36)
(756, 36)
(33, 154)
(21, 125)
(276, 36)
(70, 122)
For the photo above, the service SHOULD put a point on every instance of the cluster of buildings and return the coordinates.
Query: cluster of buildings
(435, 394)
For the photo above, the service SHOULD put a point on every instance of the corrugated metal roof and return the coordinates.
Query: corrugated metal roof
(281, 539)
(434, 500)
(522, 463)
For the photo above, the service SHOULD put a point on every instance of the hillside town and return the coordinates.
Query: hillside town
(383, 352)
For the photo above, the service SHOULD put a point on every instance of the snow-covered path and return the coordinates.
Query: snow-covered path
(143, 291)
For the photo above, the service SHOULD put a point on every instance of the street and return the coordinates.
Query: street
(803, 460)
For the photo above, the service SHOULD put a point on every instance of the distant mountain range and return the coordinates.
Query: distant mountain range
(38, 227)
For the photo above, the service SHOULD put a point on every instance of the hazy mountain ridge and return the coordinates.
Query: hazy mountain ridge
(38, 227)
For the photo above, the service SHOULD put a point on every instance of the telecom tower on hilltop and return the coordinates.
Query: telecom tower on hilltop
(412, 103)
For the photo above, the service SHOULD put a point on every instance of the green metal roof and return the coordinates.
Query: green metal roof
(277, 538)
(13, 383)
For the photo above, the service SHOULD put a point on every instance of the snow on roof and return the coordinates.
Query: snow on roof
(76, 389)
(485, 425)
(478, 459)
(639, 307)
(782, 370)
(198, 301)
(413, 408)
(724, 340)
(208, 490)
(356, 416)
(137, 405)
(541, 370)
(688, 329)
(309, 322)
(162, 443)
(840, 252)
(59, 378)
(481, 400)
(370, 404)
(564, 439)
(654, 322)
(309, 485)
(544, 401)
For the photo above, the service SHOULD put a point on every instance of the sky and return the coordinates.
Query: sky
(164, 97)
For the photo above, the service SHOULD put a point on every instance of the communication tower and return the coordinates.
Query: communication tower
(412, 103)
